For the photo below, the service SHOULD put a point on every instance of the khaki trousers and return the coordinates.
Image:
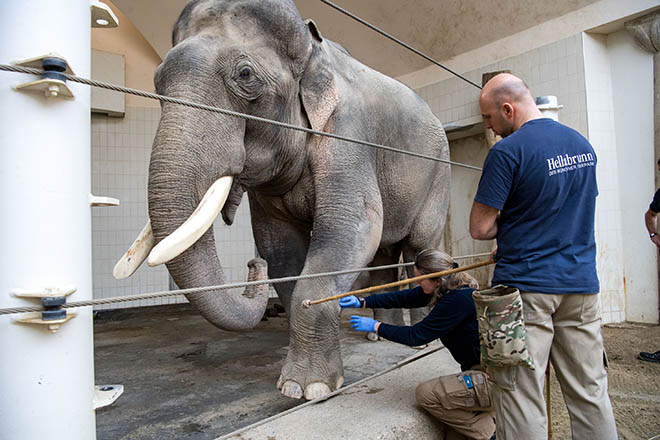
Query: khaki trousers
(564, 329)
(467, 412)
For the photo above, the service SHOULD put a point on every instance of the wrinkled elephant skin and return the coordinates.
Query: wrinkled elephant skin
(317, 204)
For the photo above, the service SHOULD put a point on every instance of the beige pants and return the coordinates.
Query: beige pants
(467, 412)
(566, 330)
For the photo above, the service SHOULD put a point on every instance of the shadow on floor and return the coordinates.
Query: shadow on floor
(186, 379)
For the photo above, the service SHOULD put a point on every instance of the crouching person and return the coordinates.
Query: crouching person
(461, 401)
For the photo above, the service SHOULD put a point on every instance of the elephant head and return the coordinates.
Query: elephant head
(254, 57)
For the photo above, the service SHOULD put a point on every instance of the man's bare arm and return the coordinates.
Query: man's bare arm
(483, 221)
(651, 220)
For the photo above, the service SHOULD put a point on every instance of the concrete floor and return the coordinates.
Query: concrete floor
(186, 379)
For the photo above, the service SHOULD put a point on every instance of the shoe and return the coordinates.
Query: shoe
(650, 357)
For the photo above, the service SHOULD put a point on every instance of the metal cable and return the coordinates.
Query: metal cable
(167, 293)
(396, 40)
(116, 88)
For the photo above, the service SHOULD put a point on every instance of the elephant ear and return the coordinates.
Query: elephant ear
(318, 88)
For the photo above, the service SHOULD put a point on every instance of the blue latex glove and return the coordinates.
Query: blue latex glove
(348, 302)
(362, 324)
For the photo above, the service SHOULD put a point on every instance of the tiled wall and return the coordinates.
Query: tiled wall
(632, 88)
(121, 148)
(608, 211)
(618, 77)
(120, 158)
(555, 69)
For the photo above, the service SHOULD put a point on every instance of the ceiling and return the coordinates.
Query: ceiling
(439, 28)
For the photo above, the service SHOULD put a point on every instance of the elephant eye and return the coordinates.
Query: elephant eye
(245, 73)
(246, 82)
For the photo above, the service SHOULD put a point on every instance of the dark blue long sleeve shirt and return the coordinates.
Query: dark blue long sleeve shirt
(453, 320)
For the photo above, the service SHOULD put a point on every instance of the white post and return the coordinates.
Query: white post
(46, 379)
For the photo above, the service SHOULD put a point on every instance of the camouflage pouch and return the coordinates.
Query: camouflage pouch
(501, 327)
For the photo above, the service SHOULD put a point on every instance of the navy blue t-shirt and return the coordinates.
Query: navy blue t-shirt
(542, 178)
(453, 320)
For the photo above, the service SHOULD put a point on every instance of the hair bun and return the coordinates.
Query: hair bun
(455, 265)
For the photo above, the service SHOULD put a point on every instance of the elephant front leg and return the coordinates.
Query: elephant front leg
(313, 367)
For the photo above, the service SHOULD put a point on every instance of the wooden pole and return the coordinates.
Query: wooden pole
(306, 303)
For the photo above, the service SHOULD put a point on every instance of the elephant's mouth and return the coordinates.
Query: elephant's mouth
(178, 241)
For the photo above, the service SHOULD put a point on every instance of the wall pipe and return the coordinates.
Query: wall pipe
(47, 379)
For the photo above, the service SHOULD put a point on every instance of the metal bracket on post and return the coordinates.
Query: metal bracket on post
(105, 395)
(102, 15)
(52, 299)
(102, 201)
(52, 82)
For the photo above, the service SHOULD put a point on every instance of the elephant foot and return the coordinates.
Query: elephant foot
(298, 380)
(313, 367)
(291, 389)
(313, 391)
(316, 390)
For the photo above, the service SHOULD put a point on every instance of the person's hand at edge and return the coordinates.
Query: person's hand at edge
(656, 240)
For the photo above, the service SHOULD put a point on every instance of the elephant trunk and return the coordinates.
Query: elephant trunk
(226, 309)
(179, 175)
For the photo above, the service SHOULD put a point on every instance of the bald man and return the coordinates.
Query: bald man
(537, 196)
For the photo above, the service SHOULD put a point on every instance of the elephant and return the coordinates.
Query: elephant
(317, 203)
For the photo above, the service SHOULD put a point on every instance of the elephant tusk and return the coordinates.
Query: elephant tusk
(136, 254)
(197, 224)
